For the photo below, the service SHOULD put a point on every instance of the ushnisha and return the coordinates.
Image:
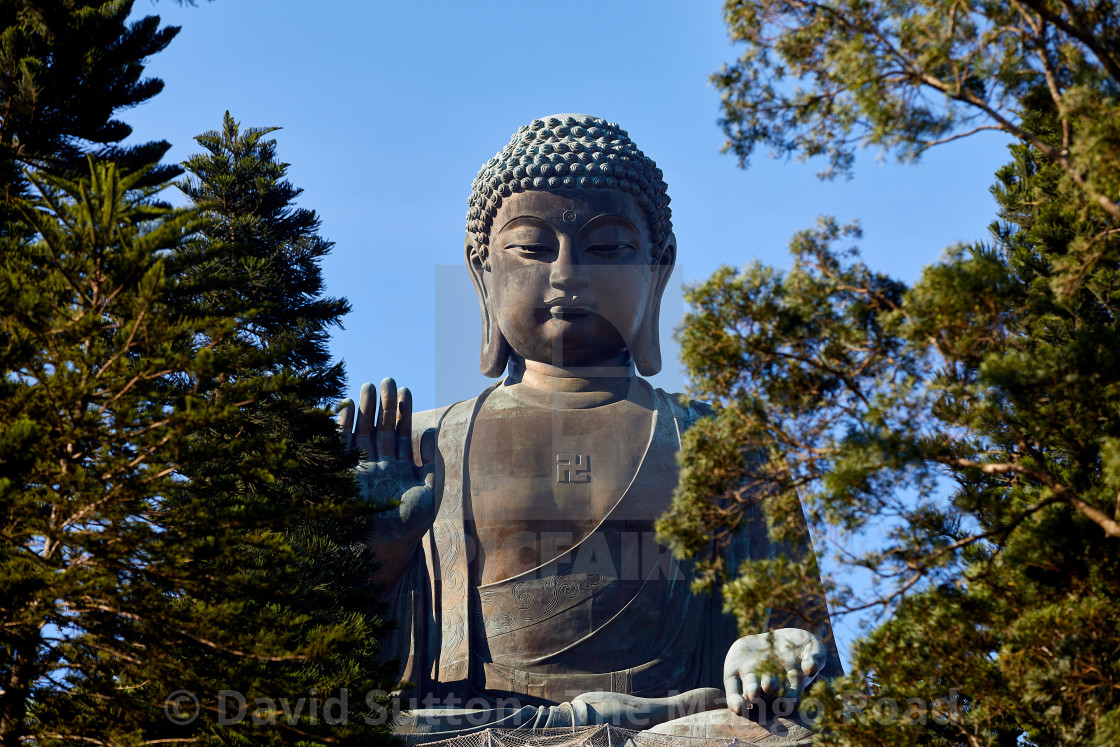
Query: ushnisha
(569, 151)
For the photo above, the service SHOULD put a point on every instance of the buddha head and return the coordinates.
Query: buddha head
(570, 247)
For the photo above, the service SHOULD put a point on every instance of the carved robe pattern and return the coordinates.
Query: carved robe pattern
(642, 631)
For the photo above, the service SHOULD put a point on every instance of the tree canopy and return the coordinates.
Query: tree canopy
(956, 439)
(102, 371)
(826, 78)
(67, 69)
(326, 609)
(180, 558)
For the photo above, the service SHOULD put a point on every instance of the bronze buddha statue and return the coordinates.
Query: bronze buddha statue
(521, 561)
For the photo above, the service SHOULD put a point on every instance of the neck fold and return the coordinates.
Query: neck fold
(570, 387)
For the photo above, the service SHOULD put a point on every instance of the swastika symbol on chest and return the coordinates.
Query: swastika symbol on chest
(572, 468)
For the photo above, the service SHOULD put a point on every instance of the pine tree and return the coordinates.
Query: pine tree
(995, 380)
(177, 512)
(103, 366)
(271, 265)
(824, 78)
(66, 68)
(962, 431)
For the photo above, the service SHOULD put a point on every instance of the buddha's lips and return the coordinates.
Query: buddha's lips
(565, 312)
(572, 303)
(569, 307)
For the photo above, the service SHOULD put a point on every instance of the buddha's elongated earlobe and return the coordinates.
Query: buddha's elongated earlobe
(495, 350)
(646, 350)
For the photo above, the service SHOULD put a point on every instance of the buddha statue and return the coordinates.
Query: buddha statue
(518, 553)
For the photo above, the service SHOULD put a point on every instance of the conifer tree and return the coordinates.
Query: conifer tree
(158, 410)
(176, 514)
(271, 265)
(961, 432)
(103, 366)
(67, 67)
(995, 379)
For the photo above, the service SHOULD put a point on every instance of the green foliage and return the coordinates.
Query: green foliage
(66, 68)
(326, 608)
(822, 78)
(963, 433)
(103, 376)
(178, 514)
(178, 510)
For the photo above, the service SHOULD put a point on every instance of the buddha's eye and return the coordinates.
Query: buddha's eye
(530, 250)
(611, 250)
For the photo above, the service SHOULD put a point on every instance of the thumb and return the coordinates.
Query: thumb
(346, 422)
(813, 657)
(428, 456)
(417, 508)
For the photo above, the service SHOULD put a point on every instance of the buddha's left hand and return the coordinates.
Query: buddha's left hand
(749, 668)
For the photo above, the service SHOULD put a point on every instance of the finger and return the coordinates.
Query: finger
(734, 689)
(793, 681)
(367, 407)
(810, 667)
(346, 422)
(387, 420)
(769, 684)
(404, 425)
(750, 686)
(813, 657)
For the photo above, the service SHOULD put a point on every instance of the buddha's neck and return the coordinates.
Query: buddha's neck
(570, 388)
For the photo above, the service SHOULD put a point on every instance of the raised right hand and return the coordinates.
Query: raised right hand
(388, 475)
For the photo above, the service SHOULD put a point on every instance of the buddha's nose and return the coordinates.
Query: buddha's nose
(569, 272)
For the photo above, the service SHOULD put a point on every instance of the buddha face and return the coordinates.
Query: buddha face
(568, 277)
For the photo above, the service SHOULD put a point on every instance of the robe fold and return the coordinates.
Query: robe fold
(615, 611)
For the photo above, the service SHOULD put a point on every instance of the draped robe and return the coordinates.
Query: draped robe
(639, 628)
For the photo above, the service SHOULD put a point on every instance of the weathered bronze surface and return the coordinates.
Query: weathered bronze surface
(522, 563)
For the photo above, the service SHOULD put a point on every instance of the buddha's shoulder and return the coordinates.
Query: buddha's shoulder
(682, 405)
(434, 418)
(425, 419)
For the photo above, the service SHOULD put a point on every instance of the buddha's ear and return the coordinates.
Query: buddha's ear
(646, 350)
(495, 349)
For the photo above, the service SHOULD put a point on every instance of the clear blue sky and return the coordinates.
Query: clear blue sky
(389, 108)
